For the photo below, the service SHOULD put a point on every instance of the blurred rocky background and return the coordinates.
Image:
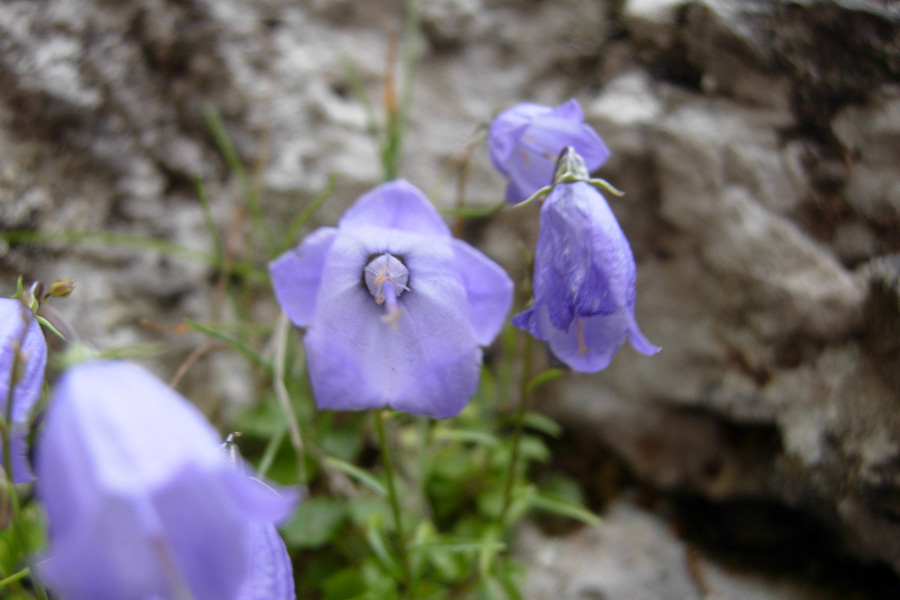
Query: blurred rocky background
(757, 456)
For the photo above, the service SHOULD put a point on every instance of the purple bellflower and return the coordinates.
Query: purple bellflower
(141, 502)
(525, 141)
(23, 357)
(395, 308)
(584, 275)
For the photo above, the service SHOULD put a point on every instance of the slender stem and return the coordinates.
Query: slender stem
(15, 577)
(392, 498)
(281, 331)
(517, 437)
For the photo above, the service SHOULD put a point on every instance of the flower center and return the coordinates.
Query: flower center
(386, 277)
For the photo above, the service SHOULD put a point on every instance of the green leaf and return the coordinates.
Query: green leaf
(233, 342)
(377, 539)
(468, 436)
(290, 238)
(545, 425)
(544, 377)
(458, 546)
(344, 585)
(50, 327)
(356, 473)
(564, 508)
(315, 522)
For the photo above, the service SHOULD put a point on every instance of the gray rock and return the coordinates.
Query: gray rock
(633, 555)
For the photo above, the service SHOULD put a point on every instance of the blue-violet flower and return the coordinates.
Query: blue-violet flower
(395, 308)
(23, 358)
(141, 501)
(584, 276)
(525, 142)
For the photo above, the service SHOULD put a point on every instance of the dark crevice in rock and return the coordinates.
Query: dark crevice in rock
(747, 533)
(780, 541)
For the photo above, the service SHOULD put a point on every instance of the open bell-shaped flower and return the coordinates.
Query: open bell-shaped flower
(525, 141)
(584, 275)
(23, 358)
(395, 308)
(141, 502)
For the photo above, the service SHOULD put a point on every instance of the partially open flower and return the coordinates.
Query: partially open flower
(395, 308)
(23, 358)
(525, 141)
(584, 277)
(141, 501)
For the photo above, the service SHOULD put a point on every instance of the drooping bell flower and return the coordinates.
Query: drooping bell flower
(395, 309)
(141, 502)
(525, 141)
(23, 358)
(584, 275)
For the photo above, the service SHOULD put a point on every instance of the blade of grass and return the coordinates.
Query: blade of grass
(284, 398)
(299, 223)
(246, 271)
(356, 473)
(233, 342)
(233, 161)
(210, 222)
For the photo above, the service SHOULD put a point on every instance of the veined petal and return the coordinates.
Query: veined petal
(590, 342)
(270, 576)
(108, 555)
(396, 205)
(19, 326)
(583, 262)
(552, 134)
(206, 532)
(154, 430)
(525, 141)
(489, 291)
(297, 273)
(426, 362)
(569, 110)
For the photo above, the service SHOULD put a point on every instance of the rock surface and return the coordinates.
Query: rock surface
(634, 555)
(757, 142)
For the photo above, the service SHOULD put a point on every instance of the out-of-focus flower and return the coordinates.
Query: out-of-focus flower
(584, 276)
(525, 142)
(395, 308)
(23, 357)
(141, 501)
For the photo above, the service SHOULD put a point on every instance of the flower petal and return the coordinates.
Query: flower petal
(206, 532)
(590, 342)
(427, 363)
(297, 273)
(553, 133)
(18, 325)
(119, 562)
(489, 291)
(396, 205)
(583, 262)
(271, 575)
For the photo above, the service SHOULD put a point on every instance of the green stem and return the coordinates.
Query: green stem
(392, 498)
(524, 393)
(14, 577)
